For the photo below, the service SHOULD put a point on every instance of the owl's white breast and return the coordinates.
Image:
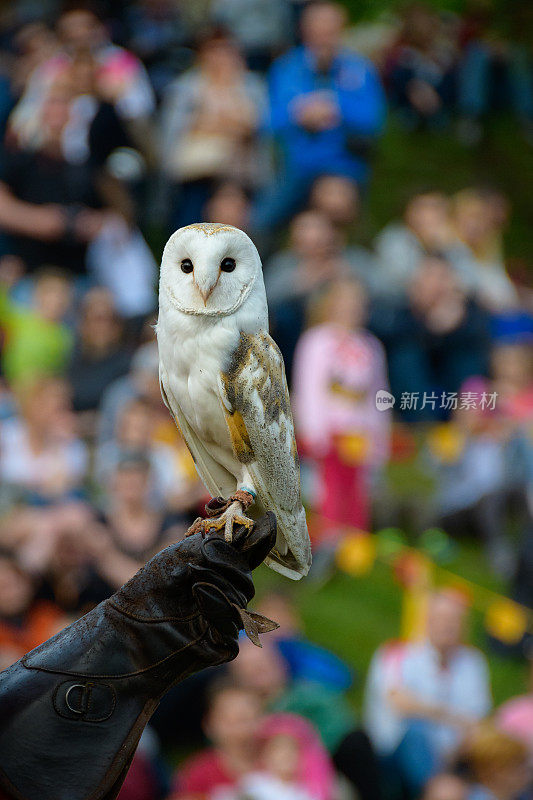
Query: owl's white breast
(193, 351)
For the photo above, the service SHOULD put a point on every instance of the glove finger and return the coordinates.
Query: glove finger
(255, 546)
(247, 549)
(225, 570)
(217, 608)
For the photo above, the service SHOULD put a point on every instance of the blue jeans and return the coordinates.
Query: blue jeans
(476, 81)
(415, 760)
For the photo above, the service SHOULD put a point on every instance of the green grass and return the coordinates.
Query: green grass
(353, 616)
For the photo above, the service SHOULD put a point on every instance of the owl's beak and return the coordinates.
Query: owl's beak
(205, 295)
(205, 292)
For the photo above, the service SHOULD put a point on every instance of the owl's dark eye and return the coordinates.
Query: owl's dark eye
(227, 264)
(186, 265)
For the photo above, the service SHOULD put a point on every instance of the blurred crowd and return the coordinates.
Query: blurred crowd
(120, 122)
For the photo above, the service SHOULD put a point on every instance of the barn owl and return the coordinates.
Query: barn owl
(223, 380)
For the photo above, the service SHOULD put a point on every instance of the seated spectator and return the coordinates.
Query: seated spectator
(417, 714)
(231, 724)
(311, 259)
(211, 116)
(31, 532)
(263, 672)
(263, 28)
(142, 381)
(72, 577)
(131, 531)
(99, 355)
(494, 70)
(478, 477)
(41, 457)
(119, 259)
(339, 368)
(49, 208)
(338, 199)
(157, 33)
(420, 69)
(230, 205)
(424, 230)
(122, 77)
(170, 485)
(498, 763)
(468, 233)
(435, 340)
(327, 109)
(36, 340)
(296, 275)
(235, 726)
(24, 622)
(291, 763)
(478, 219)
(94, 129)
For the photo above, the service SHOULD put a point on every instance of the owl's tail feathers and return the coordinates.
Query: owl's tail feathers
(291, 555)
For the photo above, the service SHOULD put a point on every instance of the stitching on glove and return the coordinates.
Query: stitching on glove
(149, 620)
(121, 676)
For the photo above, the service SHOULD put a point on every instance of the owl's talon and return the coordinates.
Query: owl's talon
(232, 516)
(197, 526)
(238, 519)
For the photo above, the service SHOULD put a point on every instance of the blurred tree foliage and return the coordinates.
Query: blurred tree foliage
(512, 18)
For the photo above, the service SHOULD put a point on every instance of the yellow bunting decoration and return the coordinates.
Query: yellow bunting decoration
(446, 442)
(506, 621)
(356, 553)
(418, 572)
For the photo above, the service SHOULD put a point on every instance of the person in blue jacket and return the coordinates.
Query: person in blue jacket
(327, 108)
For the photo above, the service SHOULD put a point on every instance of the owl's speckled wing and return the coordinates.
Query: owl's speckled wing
(258, 413)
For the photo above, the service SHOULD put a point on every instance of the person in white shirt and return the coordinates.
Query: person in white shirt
(420, 704)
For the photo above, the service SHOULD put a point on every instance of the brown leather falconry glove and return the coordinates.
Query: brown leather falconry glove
(72, 710)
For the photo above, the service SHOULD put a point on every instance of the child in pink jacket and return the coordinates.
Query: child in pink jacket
(339, 367)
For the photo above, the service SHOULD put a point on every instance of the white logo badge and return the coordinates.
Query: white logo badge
(384, 400)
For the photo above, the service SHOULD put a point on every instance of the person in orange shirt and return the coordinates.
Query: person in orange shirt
(24, 623)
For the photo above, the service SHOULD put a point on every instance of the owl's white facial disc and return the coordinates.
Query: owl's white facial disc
(209, 269)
